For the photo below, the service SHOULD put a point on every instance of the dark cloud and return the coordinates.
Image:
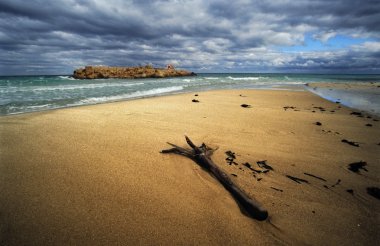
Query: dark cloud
(56, 36)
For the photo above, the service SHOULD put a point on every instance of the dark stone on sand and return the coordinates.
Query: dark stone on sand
(337, 102)
(245, 105)
(356, 113)
(196, 95)
(289, 107)
(322, 109)
(350, 142)
(355, 166)
(351, 191)
(368, 125)
(374, 191)
(195, 101)
(297, 180)
(233, 174)
(325, 186)
(318, 123)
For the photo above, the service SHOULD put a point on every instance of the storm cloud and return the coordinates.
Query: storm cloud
(54, 37)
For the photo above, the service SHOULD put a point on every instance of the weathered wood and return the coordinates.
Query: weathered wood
(201, 155)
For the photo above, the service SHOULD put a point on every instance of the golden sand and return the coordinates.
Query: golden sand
(94, 175)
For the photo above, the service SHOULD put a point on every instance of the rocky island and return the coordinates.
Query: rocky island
(100, 72)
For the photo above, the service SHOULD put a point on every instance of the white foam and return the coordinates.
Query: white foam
(137, 94)
(243, 78)
(67, 77)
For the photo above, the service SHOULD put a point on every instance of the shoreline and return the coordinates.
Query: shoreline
(301, 87)
(94, 174)
(358, 96)
(165, 94)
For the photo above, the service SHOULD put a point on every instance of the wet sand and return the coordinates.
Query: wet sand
(94, 175)
(359, 95)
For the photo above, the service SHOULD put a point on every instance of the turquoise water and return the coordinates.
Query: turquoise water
(20, 94)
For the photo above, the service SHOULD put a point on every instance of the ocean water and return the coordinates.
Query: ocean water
(21, 94)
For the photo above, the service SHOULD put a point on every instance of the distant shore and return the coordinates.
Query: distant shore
(105, 72)
(95, 174)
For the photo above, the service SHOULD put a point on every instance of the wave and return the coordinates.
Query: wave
(212, 78)
(243, 78)
(68, 87)
(67, 77)
(137, 94)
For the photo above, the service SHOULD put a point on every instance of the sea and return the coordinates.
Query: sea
(24, 94)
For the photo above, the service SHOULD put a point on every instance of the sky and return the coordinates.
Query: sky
(295, 36)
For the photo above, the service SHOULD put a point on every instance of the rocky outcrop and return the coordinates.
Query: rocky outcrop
(100, 72)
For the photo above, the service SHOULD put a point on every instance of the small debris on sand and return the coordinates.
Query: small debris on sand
(248, 165)
(351, 191)
(230, 157)
(337, 183)
(297, 180)
(355, 166)
(276, 189)
(233, 174)
(289, 107)
(368, 125)
(356, 113)
(195, 101)
(245, 105)
(231, 154)
(374, 191)
(350, 142)
(263, 164)
(322, 109)
(314, 176)
(318, 123)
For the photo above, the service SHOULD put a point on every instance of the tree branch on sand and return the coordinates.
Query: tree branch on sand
(201, 155)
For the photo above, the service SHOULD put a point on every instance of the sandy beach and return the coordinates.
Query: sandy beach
(94, 175)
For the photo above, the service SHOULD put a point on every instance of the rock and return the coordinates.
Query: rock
(100, 72)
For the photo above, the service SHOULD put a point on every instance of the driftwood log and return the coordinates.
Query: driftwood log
(201, 155)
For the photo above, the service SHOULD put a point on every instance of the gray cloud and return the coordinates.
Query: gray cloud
(56, 36)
